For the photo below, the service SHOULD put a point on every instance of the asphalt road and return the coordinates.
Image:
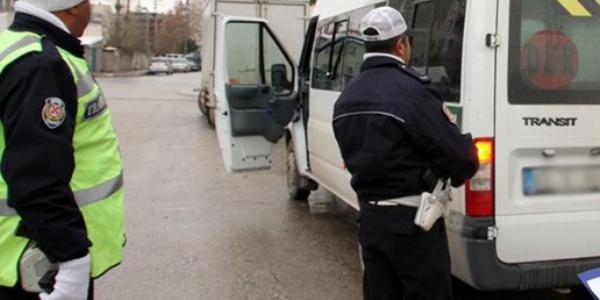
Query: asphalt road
(198, 232)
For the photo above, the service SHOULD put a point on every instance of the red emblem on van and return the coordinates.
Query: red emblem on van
(549, 60)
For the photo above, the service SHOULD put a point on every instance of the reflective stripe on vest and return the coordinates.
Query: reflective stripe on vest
(85, 82)
(82, 197)
(30, 41)
(24, 42)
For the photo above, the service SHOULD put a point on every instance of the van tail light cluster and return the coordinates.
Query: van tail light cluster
(480, 189)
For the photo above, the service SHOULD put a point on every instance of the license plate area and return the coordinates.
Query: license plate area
(561, 180)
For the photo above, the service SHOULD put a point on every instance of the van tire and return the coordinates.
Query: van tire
(201, 105)
(210, 115)
(296, 189)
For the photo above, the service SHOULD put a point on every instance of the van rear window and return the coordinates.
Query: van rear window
(554, 48)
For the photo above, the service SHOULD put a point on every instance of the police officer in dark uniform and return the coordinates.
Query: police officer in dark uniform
(397, 138)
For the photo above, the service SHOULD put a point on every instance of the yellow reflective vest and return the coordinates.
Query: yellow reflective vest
(97, 179)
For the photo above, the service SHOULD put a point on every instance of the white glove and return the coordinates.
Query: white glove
(72, 280)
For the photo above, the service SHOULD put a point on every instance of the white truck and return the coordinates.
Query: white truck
(4, 20)
(287, 18)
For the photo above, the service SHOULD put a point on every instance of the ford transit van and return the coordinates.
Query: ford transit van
(522, 76)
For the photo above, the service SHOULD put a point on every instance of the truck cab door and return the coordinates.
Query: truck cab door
(255, 92)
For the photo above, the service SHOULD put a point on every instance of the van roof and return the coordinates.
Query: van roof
(328, 8)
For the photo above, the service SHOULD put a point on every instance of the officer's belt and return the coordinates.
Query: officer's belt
(82, 197)
(412, 201)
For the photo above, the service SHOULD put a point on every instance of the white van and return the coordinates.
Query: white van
(523, 78)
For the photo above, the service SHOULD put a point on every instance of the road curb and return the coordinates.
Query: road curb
(122, 74)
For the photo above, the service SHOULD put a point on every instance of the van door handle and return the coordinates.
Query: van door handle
(492, 40)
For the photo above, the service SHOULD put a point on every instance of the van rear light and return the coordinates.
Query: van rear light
(480, 189)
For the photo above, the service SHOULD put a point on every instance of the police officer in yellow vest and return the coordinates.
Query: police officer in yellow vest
(61, 184)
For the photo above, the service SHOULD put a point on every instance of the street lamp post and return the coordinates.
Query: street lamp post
(187, 27)
(117, 32)
(155, 23)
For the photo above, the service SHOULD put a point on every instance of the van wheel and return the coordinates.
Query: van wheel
(299, 188)
(210, 114)
(201, 105)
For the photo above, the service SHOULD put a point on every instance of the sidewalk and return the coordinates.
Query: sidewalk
(122, 74)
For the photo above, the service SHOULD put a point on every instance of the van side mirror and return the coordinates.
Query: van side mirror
(279, 78)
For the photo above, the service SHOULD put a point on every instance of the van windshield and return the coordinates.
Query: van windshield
(554, 48)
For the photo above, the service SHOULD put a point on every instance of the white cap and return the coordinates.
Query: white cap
(52, 5)
(387, 21)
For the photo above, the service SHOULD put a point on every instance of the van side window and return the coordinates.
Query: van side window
(438, 42)
(242, 53)
(422, 22)
(354, 49)
(328, 59)
(401, 6)
(339, 50)
(258, 60)
(278, 69)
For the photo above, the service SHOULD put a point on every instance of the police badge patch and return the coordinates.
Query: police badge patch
(54, 112)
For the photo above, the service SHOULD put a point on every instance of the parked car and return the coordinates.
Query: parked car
(194, 66)
(174, 55)
(180, 65)
(160, 65)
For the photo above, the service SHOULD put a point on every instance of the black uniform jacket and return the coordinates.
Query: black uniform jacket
(38, 161)
(390, 126)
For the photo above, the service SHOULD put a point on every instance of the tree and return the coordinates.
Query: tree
(126, 35)
(174, 31)
(196, 9)
(133, 39)
(115, 32)
(188, 46)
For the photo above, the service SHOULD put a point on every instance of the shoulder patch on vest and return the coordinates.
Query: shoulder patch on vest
(95, 107)
(414, 73)
(54, 112)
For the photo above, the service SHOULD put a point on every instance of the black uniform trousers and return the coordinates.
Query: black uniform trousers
(17, 293)
(401, 262)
